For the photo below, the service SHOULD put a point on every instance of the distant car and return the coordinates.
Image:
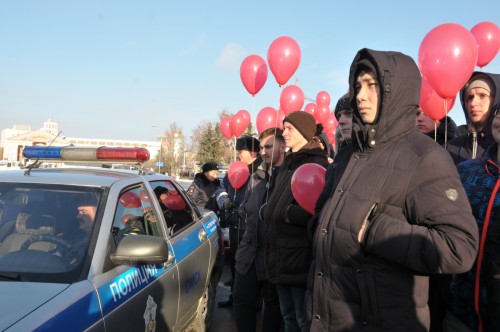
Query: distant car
(148, 261)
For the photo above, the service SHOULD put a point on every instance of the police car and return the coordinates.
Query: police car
(92, 249)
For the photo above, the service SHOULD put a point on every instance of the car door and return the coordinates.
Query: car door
(190, 244)
(144, 297)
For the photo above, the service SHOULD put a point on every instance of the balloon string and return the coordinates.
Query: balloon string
(445, 124)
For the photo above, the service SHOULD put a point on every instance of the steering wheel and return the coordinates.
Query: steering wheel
(71, 252)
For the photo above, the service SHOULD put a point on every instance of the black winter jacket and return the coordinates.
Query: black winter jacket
(202, 192)
(462, 147)
(420, 221)
(287, 245)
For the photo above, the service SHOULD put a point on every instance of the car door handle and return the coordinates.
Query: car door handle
(170, 260)
(202, 235)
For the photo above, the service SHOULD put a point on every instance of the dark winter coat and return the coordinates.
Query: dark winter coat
(462, 147)
(420, 220)
(251, 246)
(226, 191)
(481, 180)
(287, 245)
(202, 192)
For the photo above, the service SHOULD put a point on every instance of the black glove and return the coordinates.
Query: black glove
(242, 213)
(228, 205)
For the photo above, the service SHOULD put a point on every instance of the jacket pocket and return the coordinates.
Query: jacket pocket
(370, 310)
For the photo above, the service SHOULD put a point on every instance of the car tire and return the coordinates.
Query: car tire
(209, 299)
(205, 308)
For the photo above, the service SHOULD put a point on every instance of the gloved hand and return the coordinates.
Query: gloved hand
(228, 205)
(242, 213)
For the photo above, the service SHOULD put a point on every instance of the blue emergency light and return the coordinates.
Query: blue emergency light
(74, 153)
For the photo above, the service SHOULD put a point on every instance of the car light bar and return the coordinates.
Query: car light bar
(73, 153)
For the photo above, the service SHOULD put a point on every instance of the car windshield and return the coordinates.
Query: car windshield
(45, 230)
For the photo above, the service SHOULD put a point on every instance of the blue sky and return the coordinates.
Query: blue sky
(113, 69)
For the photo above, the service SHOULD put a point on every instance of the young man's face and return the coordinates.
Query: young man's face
(271, 150)
(478, 102)
(344, 119)
(424, 123)
(293, 138)
(367, 96)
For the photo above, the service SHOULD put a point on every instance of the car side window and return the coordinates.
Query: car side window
(176, 210)
(135, 215)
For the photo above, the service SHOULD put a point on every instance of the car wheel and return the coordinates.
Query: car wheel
(205, 308)
(209, 300)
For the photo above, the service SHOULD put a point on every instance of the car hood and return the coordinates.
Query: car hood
(21, 298)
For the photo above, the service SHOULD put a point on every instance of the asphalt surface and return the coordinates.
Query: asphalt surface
(223, 319)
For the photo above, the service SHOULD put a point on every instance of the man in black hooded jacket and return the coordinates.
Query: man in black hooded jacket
(478, 97)
(396, 210)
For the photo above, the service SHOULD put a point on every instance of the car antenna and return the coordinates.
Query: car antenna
(32, 165)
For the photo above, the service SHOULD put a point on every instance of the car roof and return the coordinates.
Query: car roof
(67, 176)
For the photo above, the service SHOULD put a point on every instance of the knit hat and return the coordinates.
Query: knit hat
(160, 190)
(303, 122)
(481, 81)
(343, 105)
(209, 166)
(248, 143)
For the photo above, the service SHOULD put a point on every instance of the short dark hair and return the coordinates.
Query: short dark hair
(276, 132)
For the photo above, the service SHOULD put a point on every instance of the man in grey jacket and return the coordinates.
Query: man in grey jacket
(396, 210)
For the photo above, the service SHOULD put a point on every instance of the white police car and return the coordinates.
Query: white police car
(103, 250)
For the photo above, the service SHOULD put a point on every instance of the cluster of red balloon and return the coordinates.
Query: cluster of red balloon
(283, 57)
(235, 125)
(447, 57)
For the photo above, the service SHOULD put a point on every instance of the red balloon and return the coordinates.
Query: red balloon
(253, 73)
(307, 183)
(311, 108)
(283, 57)
(323, 98)
(331, 123)
(487, 35)
(238, 124)
(447, 57)
(130, 200)
(225, 128)
(267, 118)
(246, 116)
(432, 104)
(174, 203)
(281, 117)
(322, 113)
(238, 174)
(291, 99)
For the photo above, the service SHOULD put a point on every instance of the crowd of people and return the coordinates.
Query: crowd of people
(405, 235)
